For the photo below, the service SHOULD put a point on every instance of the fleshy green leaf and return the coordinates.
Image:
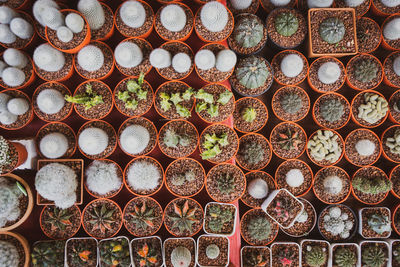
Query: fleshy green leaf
(188, 94)
(132, 86)
(201, 106)
(206, 97)
(176, 98)
(225, 97)
(213, 110)
(182, 111)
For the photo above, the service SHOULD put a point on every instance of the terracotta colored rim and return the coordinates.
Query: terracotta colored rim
(190, 159)
(377, 11)
(172, 121)
(385, 44)
(116, 192)
(165, 214)
(353, 117)
(111, 32)
(101, 199)
(390, 178)
(381, 143)
(264, 107)
(24, 243)
(390, 109)
(266, 174)
(31, 77)
(143, 35)
(31, 21)
(104, 76)
(296, 125)
(30, 106)
(148, 199)
(350, 185)
(373, 21)
(156, 92)
(281, 89)
(333, 59)
(351, 61)
(393, 216)
(48, 235)
(216, 124)
(85, 41)
(385, 78)
(120, 130)
(140, 158)
(324, 95)
(306, 65)
(270, 149)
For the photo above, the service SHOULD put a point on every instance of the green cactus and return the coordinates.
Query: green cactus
(259, 228)
(396, 254)
(172, 139)
(249, 114)
(373, 256)
(82, 253)
(286, 24)
(58, 219)
(332, 30)
(332, 110)
(183, 217)
(134, 93)
(48, 254)
(291, 103)
(101, 217)
(115, 252)
(217, 217)
(212, 145)
(345, 257)
(373, 185)
(379, 223)
(142, 216)
(252, 72)
(205, 101)
(88, 99)
(289, 139)
(315, 256)
(365, 70)
(226, 183)
(180, 179)
(249, 31)
(252, 153)
(167, 100)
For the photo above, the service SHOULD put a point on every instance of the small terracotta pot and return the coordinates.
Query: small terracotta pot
(31, 79)
(111, 32)
(29, 20)
(305, 66)
(396, 210)
(386, 45)
(270, 149)
(264, 107)
(385, 78)
(353, 116)
(380, 32)
(24, 262)
(277, 114)
(66, 77)
(30, 111)
(353, 86)
(390, 178)
(338, 62)
(382, 144)
(376, 11)
(392, 119)
(294, 4)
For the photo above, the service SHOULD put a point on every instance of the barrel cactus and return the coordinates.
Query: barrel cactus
(205, 59)
(9, 200)
(13, 77)
(50, 101)
(160, 58)
(249, 31)
(181, 256)
(93, 141)
(173, 17)
(391, 30)
(332, 30)
(315, 256)
(133, 14)
(225, 60)
(345, 257)
(64, 34)
(128, 54)
(93, 12)
(214, 16)
(286, 24)
(259, 228)
(53, 145)
(18, 106)
(9, 255)
(291, 102)
(15, 58)
(39, 7)
(252, 72)
(90, 58)
(48, 58)
(332, 110)
(292, 65)
(365, 70)
(373, 256)
(329, 72)
(212, 251)
(134, 139)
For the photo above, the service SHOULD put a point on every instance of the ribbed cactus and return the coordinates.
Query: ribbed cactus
(286, 24)
(225, 60)
(315, 256)
(93, 141)
(214, 16)
(53, 145)
(291, 102)
(160, 58)
(373, 256)
(133, 14)
(205, 59)
(9, 200)
(18, 106)
(6, 35)
(345, 257)
(134, 139)
(252, 72)
(90, 58)
(93, 12)
(252, 153)
(74, 22)
(332, 30)
(259, 228)
(13, 77)
(21, 28)
(212, 251)
(173, 17)
(50, 101)
(128, 55)
(64, 34)
(391, 30)
(292, 65)
(7, 117)
(240, 4)
(249, 31)
(48, 58)
(332, 110)
(329, 72)
(9, 256)
(52, 17)
(15, 58)
(39, 7)
(181, 62)
(181, 256)
(7, 14)
(365, 70)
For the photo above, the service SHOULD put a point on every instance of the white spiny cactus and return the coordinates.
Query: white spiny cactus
(93, 11)
(134, 139)
(15, 58)
(319, 3)
(353, 3)
(50, 101)
(391, 30)
(396, 65)
(21, 28)
(278, 3)
(64, 34)
(365, 147)
(7, 14)
(205, 59)
(38, 8)
(4, 98)
(128, 54)
(181, 62)
(333, 184)
(6, 35)
(173, 17)
(74, 22)
(93, 141)
(133, 14)
(13, 77)
(214, 16)
(7, 118)
(294, 178)
(329, 72)
(240, 4)
(390, 3)
(181, 256)
(52, 18)
(48, 58)
(102, 177)
(258, 188)
(9, 201)
(3, 65)
(9, 255)
(226, 60)
(54, 145)
(160, 58)
(90, 58)
(292, 65)
(143, 175)
(18, 106)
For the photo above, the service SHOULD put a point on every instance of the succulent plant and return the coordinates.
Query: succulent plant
(212, 251)
(64, 34)
(7, 117)
(253, 153)
(286, 24)
(393, 142)
(93, 141)
(217, 217)
(93, 13)
(18, 106)
(291, 102)
(144, 175)
(337, 222)
(333, 184)
(58, 219)
(248, 31)
(74, 22)
(282, 208)
(142, 216)
(128, 54)
(332, 30)
(88, 99)
(21, 28)
(325, 146)
(48, 58)
(315, 256)
(212, 145)
(13, 77)
(39, 8)
(181, 62)
(160, 58)
(226, 60)
(47, 254)
(50, 101)
(134, 139)
(172, 139)
(292, 65)
(167, 100)
(205, 59)
(259, 228)
(252, 72)
(365, 70)
(345, 257)
(258, 188)
(240, 4)
(182, 178)
(183, 217)
(206, 101)
(102, 177)
(6, 35)
(181, 256)
(373, 256)
(289, 139)
(9, 255)
(132, 13)
(286, 256)
(5, 158)
(134, 93)
(225, 183)
(379, 223)
(372, 185)
(115, 252)
(7, 14)
(255, 259)
(52, 18)
(147, 256)
(53, 145)
(391, 29)
(294, 178)
(101, 217)
(214, 16)
(332, 110)
(90, 58)
(374, 108)
(15, 58)
(329, 72)
(173, 17)
(82, 255)
(9, 200)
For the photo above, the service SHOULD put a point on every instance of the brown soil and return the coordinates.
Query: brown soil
(280, 176)
(250, 176)
(22, 205)
(107, 26)
(351, 72)
(314, 80)
(357, 101)
(251, 9)
(250, 252)
(395, 98)
(269, 7)
(228, 227)
(261, 115)
(324, 246)
(89, 245)
(320, 191)
(381, 245)
(280, 77)
(395, 247)
(56, 75)
(19, 42)
(388, 69)
(27, 70)
(369, 172)
(328, 235)
(155, 247)
(396, 220)
(390, 133)
(368, 33)
(14, 3)
(335, 124)
(174, 48)
(242, 152)
(169, 35)
(18, 245)
(395, 44)
(135, 32)
(351, 152)
(58, 248)
(303, 229)
(144, 66)
(293, 248)
(385, 9)
(24, 119)
(119, 174)
(223, 245)
(281, 113)
(278, 148)
(352, 247)
(395, 178)
(51, 229)
(58, 128)
(171, 244)
(367, 231)
(360, 9)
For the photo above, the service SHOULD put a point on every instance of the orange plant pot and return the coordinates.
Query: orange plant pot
(385, 44)
(392, 119)
(30, 106)
(356, 88)
(85, 41)
(390, 178)
(377, 11)
(267, 175)
(380, 37)
(264, 107)
(22, 153)
(305, 66)
(381, 144)
(111, 32)
(66, 77)
(338, 62)
(33, 37)
(293, 5)
(353, 116)
(277, 114)
(396, 210)
(31, 77)
(270, 149)
(385, 79)
(26, 248)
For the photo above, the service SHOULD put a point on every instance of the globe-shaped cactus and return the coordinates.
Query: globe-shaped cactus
(18, 106)
(93, 13)
(21, 28)
(226, 60)
(9, 255)
(286, 24)
(181, 62)
(279, 3)
(329, 72)
(319, 3)
(332, 30)
(292, 65)
(15, 58)
(396, 65)
(353, 3)
(160, 58)
(74, 22)
(6, 35)
(7, 14)
(53, 145)
(252, 72)
(173, 17)
(64, 34)
(205, 59)
(93, 141)
(249, 31)
(214, 16)
(133, 14)
(365, 70)
(7, 117)
(212, 251)
(13, 77)
(50, 101)
(90, 58)
(390, 3)
(48, 58)
(3, 101)
(3, 65)
(181, 256)
(391, 30)
(128, 55)
(52, 18)
(38, 9)
(134, 139)
(240, 4)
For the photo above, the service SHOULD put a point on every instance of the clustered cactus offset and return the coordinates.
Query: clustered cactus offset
(338, 223)
(332, 30)
(393, 142)
(286, 24)
(11, 72)
(315, 256)
(160, 58)
(345, 257)
(332, 110)
(248, 31)
(212, 145)
(88, 99)
(13, 26)
(372, 185)
(134, 93)
(373, 108)
(176, 99)
(206, 101)
(325, 146)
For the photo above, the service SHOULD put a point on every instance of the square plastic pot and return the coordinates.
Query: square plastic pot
(221, 204)
(346, 244)
(241, 254)
(107, 239)
(144, 238)
(197, 248)
(179, 238)
(288, 243)
(379, 242)
(360, 222)
(80, 238)
(316, 241)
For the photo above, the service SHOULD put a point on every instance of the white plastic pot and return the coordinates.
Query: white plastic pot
(197, 248)
(391, 241)
(346, 244)
(316, 241)
(287, 243)
(112, 238)
(79, 238)
(380, 242)
(315, 221)
(179, 238)
(221, 204)
(360, 222)
(241, 254)
(144, 238)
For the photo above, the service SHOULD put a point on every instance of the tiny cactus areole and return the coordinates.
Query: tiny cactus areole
(331, 111)
(180, 252)
(219, 218)
(254, 152)
(114, 252)
(368, 34)
(332, 147)
(374, 253)
(290, 103)
(295, 176)
(346, 255)
(60, 223)
(375, 222)
(369, 109)
(389, 143)
(364, 72)
(285, 254)
(332, 185)
(326, 74)
(48, 253)
(81, 252)
(212, 250)
(362, 147)
(337, 223)
(314, 253)
(288, 140)
(250, 115)
(147, 252)
(290, 67)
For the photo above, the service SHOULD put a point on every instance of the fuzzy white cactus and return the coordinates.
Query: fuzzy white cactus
(258, 188)
(338, 222)
(93, 11)
(13, 76)
(181, 62)
(52, 18)
(53, 145)
(279, 3)
(7, 118)
(50, 101)
(102, 177)
(365, 147)
(74, 22)
(128, 54)
(39, 7)
(6, 35)
(15, 58)
(9, 255)
(4, 98)
(329, 72)
(173, 17)
(7, 14)
(374, 108)
(226, 60)
(160, 58)
(390, 3)
(214, 16)
(205, 59)
(21, 28)
(212, 251)
(333, 184)
(134, 139)
(3, 65)
(240, 4)
(48, 58)
(396, 65)
(90, 58)
(58, 183)
(9, 201)
(292, 65)
(324, 145)
(319, 3)
(181, 257)
(18, 106)
(353, 3)
(132, 13)
(143, 175)
(391, 30)
(294, 178)
(93, 141)
(64, 34)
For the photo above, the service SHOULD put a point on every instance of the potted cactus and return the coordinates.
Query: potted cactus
(179, 252)
(16, 108)
(147, 251)
(290, 103)
(315, 253)
(326, 74)
(394, 111)
(327, 28)
(143, 216)
(389, 143)
(360, 7)
(254, 152)
(325, 147)
(374, 222)
(290, 67)
(369, 109)
(14, 250)
(48, 253)
(16, 3)
(253, 76)
(305, 223)
(212, 249)
(81, 251)
(220, 219)
(16, 69)
(16, 28)
(115, 252)
(394, 177)
(369, 34)
(252, 256)
(285, 254)
(390, 33)
(102, 218)
(332, 185)
(183, 217)
(185, 177)
(288, 140)
(375, 253)
(396, 219)
(259, 185)
(395, 250)
(362, 147)
(345, 254)
(59, 223)
(242, 6)
(13, 155)
(250, 115)
(331, 111)
(364, 72)
(391, 70)
(40, 9)
(225, 183)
